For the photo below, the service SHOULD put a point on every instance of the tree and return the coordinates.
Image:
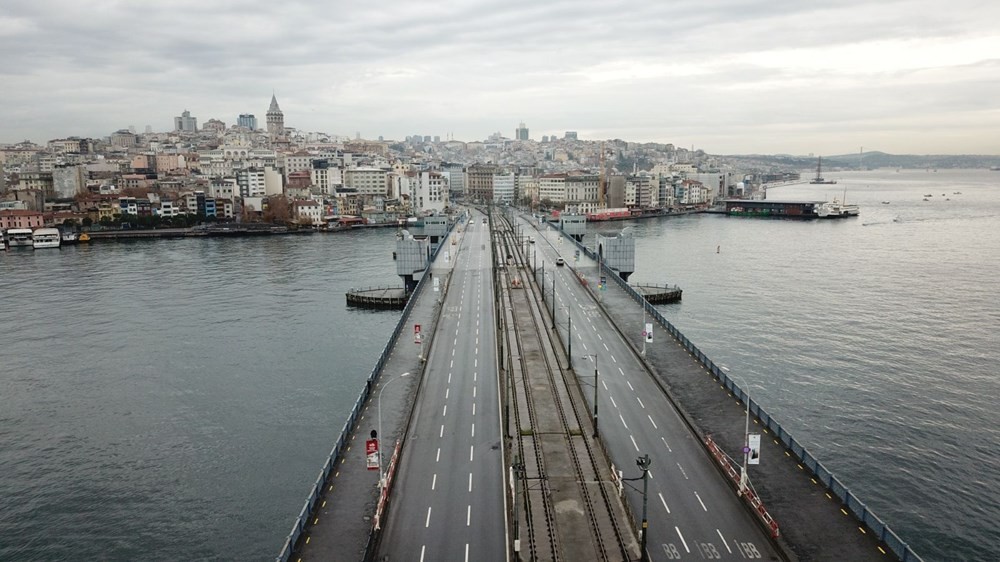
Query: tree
(88, 222)
(276, 210)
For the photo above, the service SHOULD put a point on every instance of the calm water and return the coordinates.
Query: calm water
(175, 400)
(874, 340)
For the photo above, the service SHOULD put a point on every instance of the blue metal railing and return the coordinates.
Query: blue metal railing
(310, 504)
(855, 506)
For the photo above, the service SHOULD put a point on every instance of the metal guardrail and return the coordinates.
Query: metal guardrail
(310, 504)
(854, 505)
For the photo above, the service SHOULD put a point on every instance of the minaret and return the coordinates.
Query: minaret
(275, 119)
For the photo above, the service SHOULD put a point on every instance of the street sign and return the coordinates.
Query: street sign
(754, 441)
(416, 333)
(371, 452)
(437, 282)
(648, 332)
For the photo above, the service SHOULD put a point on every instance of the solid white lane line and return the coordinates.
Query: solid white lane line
(434, 482)
(470, 482)
(634, 443)
(445, 411)
(472, 449)
(701, 502)
(629, 385)
(623, 421)
(651, 421)
(667, 444)
(664, 502)
(724, 541)
(438, 457)
(640, 402)
(613, 403)
(682, 540)
(427, 523)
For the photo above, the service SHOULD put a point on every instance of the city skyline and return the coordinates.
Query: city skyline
(732, 78)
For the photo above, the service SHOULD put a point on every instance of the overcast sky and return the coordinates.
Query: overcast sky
(728, 77)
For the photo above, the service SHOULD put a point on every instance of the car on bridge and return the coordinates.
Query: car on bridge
(560, 261)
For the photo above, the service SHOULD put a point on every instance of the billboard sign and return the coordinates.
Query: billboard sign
(648, 332)
(371, 452)
(754, 441)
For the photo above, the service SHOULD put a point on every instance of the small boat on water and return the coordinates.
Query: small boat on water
(926, 199)
(929, 195)
(885, 202)
(84, 237)
(46, 238)
(69, 237)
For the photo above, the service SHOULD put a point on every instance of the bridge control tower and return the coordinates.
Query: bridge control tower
(618, 252)
(435, 228)
(412, 257)
(573, 225)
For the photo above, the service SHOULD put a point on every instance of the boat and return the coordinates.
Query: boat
(84, 237)
(70, 238)
(929, 195)
(19, 238)
(926, 199)
(819, 174)
(837, 209)
(885, 202)
(46, 238)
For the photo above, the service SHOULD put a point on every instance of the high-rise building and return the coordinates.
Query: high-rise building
(570, 135)
(248, 121)
(275, 119)
(521, 133)
(184, 123)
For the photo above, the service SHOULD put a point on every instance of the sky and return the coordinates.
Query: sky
(728, 77)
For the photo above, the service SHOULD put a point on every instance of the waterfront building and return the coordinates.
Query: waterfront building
(19, 218)
(370, 181)
(186, 123)
(224, 188)
(504, 188)
(275, 119)
(251, 182)
(247, 121)
(307, 212)
(479, 181)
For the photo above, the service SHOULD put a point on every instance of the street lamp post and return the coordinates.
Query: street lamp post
(594, 357)
(746, 437)
(644, 463)
(381, 465)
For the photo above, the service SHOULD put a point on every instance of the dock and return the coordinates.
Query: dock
(659, 294)
(378, 297)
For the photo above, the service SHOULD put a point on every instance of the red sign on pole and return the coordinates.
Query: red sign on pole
(371, 451)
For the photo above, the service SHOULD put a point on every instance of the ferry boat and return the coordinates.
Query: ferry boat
(19, 238)
(69, 237)
(837, 210)
(46, 238)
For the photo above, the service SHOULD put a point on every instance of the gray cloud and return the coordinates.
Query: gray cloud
(729, 76)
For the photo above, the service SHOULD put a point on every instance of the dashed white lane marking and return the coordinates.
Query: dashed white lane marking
(579, 336)
(621, 371)
(473, 430)
(613, 358)
(442, 431)
(449, 378)
(623, 421)
(629, 385)
(667, 444)
(664, 502)
(613, 403)
(605, 385)
(434, 482)
(651, 421)
(634, 443)
(452, 366)
(684, 542)
(584, 345)
(473, 392)
(470, 482)
(724, 541)
(682, 471)
(445, 411)
(468, 521)
(427, 523)
(472, 449)
(606, 347)
(474, 375)
(476, 363)
(640, 402)
(701, 502)
(473, 408)
(438, 457)
(447, 391)
(422, 549)
(599, 337)
(452, 352)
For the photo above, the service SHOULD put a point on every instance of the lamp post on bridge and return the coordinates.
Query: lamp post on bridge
(746, 436)
(381, 465)
(643, 463)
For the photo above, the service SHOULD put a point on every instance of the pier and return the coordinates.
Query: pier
(378, 297)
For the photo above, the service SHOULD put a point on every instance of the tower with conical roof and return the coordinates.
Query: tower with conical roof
(275, 119)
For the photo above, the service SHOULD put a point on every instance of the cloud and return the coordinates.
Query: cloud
(730, 76)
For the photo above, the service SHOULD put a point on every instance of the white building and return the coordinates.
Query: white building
(307, 212)
(368, 181)
(552, 187)
(504, 188)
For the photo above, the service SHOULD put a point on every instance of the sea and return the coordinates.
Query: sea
(175, 399)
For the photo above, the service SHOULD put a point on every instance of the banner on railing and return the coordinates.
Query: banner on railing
(371, 452)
